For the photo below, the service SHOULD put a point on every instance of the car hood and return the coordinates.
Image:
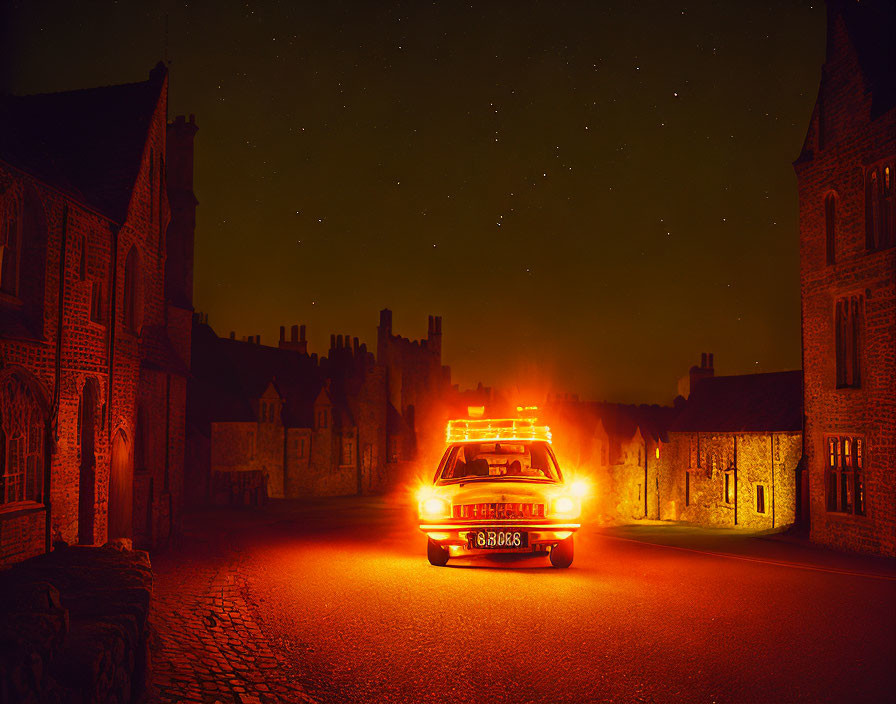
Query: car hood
(501, 491)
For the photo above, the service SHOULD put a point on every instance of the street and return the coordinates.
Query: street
(336, 602)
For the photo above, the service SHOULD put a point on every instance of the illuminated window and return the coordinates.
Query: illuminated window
(845, 475)
(760, 498)
(729, 487)
(847, 332)
(880, 208)
(830, 226)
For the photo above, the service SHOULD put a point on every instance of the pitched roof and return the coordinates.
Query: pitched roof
(872, 27)
(86, 143)
(230, 374)
(747, 403)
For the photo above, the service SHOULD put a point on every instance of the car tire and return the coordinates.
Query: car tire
(562, 553)
(437, 555)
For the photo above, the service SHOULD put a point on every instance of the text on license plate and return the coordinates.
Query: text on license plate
(485, 539)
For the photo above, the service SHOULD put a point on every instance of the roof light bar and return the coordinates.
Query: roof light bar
(497, 429)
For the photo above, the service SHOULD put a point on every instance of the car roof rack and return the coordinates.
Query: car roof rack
(496, 429)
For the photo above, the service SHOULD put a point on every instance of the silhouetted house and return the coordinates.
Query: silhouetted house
(418, 384)
(733, 450)
(845, 174)
(95, 197)
(276, 421)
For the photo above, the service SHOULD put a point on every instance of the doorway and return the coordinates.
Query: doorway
(121, 488)
(87, 477)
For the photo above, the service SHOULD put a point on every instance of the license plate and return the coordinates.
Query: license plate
(497, 539)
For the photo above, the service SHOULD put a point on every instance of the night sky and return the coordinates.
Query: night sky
(590, 194)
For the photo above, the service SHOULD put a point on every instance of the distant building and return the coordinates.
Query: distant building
(96, 202)
(278, 422)
(845, 174)
(617, 445)
(733, 451)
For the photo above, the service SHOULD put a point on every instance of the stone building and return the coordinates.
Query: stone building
(279, 422)
(95, 202)
(418, 386)
(618, 446)
(733, 451)
(845, 175)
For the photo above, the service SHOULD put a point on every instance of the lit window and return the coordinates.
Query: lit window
(845, 475)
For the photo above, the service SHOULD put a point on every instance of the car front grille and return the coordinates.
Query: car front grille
(498, 511)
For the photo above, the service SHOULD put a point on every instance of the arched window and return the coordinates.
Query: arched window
(872, 210)
(10, 242)
(21, 442)
(887, 227)
(131, 290)
(830, 227)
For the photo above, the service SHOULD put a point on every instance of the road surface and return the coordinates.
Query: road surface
(336, 602)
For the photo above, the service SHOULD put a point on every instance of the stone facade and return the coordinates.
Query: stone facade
(93, 356)
(845, 174)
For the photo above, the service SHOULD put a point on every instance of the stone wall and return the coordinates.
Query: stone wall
(74, 626)
(696, 466)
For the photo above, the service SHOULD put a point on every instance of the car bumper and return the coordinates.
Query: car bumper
(541, 535)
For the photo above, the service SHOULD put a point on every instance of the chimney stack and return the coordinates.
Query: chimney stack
(282, 333)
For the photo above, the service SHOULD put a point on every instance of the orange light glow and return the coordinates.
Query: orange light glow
(497, 429)
(579, 488)
(434, 507)
(475, 411)
(657, 453)
(564, 505)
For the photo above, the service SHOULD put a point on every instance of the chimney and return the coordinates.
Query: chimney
(294, 342)
(232, 334)
(697, 374)
(180, 237)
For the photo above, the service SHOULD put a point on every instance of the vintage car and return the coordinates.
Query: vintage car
(499, 489)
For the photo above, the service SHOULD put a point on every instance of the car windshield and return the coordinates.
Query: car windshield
(499, 461)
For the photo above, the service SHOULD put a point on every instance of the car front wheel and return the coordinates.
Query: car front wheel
(437, 555)
(562, 553)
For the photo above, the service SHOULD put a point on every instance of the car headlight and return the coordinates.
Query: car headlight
(434, 507)
(565, 506)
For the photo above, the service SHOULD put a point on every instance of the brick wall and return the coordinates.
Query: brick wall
(70, 248)
(844, 140)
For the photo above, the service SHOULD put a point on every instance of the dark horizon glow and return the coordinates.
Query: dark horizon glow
(590, 194)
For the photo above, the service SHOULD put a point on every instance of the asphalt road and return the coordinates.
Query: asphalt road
(343, 592)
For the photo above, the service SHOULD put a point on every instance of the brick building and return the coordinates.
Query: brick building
(95, 201)
(279, 422)
(845, 174)
(733, 451)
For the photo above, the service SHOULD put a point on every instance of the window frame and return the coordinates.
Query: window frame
(846, 457)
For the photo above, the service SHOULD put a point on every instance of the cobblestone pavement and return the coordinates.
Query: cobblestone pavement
(207, 645)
